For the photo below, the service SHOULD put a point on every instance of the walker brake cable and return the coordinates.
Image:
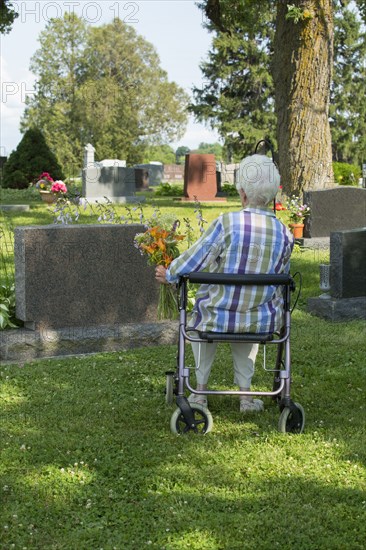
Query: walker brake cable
(297, 274)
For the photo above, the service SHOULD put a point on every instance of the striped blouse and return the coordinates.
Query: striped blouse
(253, 241)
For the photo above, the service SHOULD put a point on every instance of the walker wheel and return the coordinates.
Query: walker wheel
(202, 416)
(169, 388)
(292, 419)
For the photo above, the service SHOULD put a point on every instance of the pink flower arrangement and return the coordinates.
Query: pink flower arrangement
(59, 187)
(46, 183)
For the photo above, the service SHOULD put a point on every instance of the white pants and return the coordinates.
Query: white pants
(244, 356)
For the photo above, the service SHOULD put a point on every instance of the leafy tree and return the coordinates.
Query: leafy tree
(144, 108)
(59, 64)
(180, 154)
(102, 85)
(7, 16)
(31, 157)
(159, 153)
(348, 98)
(210, 148)
(300, 45)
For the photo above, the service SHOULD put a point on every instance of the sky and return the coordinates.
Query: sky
(174, 27)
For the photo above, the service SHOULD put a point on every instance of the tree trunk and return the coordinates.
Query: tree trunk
(302, 70)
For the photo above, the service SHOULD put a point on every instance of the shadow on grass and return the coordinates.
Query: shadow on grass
(89, 460)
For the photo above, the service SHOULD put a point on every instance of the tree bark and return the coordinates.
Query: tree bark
(302, 70)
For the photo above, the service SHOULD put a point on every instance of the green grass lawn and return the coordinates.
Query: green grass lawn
(88, 460)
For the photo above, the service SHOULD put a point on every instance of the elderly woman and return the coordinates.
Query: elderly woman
(253, 241)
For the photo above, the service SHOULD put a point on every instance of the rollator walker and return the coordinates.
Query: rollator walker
(197, 418)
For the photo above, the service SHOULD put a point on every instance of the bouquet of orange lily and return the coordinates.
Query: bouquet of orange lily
(160, 244)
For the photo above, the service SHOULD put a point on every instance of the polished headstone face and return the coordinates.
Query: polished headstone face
(348, 263)
(347, 299)
(173, 172)
(85, 275)
(336, 209)
(200, 177)
(108, 181)
(155, 172)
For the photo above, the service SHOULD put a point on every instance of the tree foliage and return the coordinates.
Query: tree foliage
(102, 85)
(180, 154)
(7, 16)
(348, 98)
(159, 153)
(31, 157)
(210, 148)
(237, 93)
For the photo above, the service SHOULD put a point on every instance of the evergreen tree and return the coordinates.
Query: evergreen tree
(7, 16)
(31, 157)
(236, 96)
(348, 98)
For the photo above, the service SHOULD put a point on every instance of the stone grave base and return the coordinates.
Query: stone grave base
(211, 200)
(117, 200)
(316, 243)
(15, 207)
(338, 309)
(21, 345)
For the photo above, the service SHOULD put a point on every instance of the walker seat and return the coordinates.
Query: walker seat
(197, 418)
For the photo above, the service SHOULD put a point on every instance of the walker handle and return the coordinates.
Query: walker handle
(261, 279)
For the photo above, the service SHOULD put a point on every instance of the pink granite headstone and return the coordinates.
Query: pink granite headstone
(200, 177)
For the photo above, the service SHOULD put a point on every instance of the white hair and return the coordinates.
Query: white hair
(259, 179)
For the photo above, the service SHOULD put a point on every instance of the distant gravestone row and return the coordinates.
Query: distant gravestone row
(202, 177)
(109, 178)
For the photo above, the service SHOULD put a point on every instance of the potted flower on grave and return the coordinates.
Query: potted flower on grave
(297, 214)
(49, 189)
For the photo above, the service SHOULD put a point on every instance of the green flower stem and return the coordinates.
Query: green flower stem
(168, 304)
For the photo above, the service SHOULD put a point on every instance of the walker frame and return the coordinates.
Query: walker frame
(197, 418)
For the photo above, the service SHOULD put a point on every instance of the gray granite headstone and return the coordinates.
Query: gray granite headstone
(348, 263)
(117, 183)
(82, 275)
(335, 209)
(155, 171)
(347, 297)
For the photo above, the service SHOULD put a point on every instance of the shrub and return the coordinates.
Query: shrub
(16, 180)
(169, 190)
(7, 307)
(29, 160)
(229, 189)
(346, 174)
